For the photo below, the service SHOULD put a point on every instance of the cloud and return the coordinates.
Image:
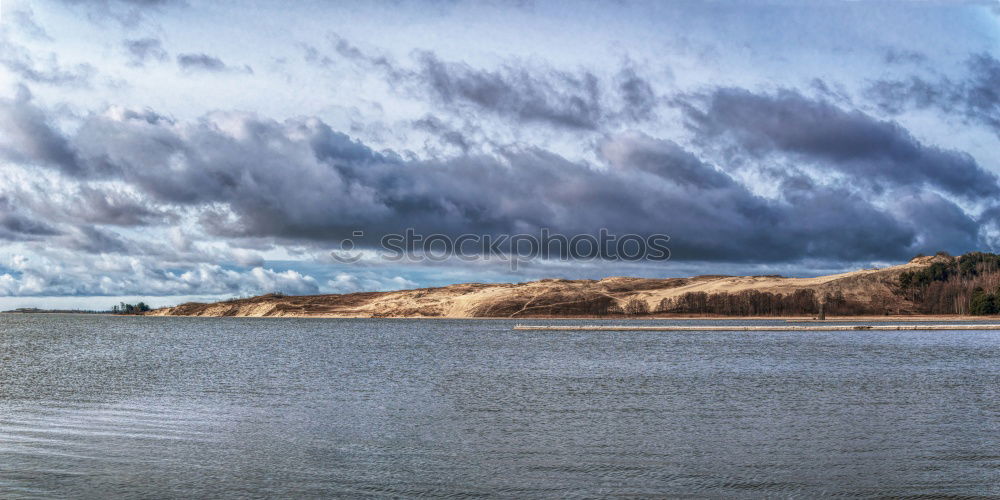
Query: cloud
(63, 275)
(502, 138)
(143, 50)
(67, 200)
(47, 69)
(975, 97)
(91, 239)
(553, 97)
(29, 135)
(903, 56)
(517, 91)
(204, 62)
(115, 207)
(445, 133)
(945, 225)
(300, 180)
(128, 13)
(711, 216)
(201, 61)
(640, 101)
(879, 153)
(313, 56)
(17, 226)
(23, 17)
(63, 201)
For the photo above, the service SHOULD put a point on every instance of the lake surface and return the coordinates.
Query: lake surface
(185, 407)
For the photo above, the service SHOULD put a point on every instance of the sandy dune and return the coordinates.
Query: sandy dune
(546, 298)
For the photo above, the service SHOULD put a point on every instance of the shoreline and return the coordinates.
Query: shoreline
(51, 313)
(758, 328)
(811, 320)
(790, 319)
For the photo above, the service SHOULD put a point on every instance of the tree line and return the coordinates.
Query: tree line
(969, 284)
(752, 303)
(743, 303)
(124, 308)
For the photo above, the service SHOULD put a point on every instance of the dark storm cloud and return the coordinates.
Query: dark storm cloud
(300, 180)
(946, 226)
(975, 97)
(516, 91)
(84, 204)
(91, 239)
(205, 62)
(143, 50)
(896, 96)
(555, 97)
(12, 223)
(879, 153)
(638, 95)
(100, 206)
(16, 225)
(667, 160)
(714, 217)
(29, 136)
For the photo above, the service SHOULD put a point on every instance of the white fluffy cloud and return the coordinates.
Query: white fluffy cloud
(61, 274)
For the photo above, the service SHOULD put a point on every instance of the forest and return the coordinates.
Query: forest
(969, 284)
(757, 303)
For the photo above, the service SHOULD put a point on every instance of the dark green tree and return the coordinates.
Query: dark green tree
(982, 303)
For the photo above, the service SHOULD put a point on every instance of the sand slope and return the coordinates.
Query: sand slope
(550, 297)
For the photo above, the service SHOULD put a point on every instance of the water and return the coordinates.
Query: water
(185, 407)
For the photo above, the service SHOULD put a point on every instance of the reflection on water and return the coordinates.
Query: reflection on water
(180, 407)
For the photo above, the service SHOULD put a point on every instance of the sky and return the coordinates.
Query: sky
(178, 150)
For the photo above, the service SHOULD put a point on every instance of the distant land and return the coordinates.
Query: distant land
(119, 310)
(926, 285)
(35, 310)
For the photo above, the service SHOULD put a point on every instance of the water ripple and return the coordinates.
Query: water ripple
(98, 407)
